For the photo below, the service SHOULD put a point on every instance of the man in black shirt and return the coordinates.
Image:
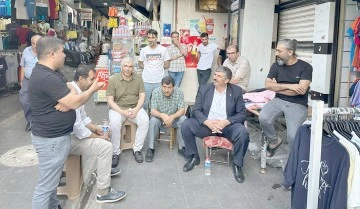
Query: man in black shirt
(53, 104)
(290, 78)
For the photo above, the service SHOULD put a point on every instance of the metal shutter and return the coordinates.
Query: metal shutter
(298, 23)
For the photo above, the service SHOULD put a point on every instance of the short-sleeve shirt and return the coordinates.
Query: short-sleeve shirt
(292, 74)
(46, 87)
(28, 61)
(177, 65)
(167, 105)
(125, 93)
(206, 55)
(240, 69)
(153, 63)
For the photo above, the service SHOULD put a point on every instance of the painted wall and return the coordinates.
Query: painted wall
(347, 76)
(185, 12)
(257, 38)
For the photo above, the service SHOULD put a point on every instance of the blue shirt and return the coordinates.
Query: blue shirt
(2, 8)
(30, 8)
(8, 7)
(28, 61)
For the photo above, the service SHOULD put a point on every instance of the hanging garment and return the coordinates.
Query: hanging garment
(333, 172)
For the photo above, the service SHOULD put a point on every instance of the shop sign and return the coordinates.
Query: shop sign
(86, 14)
(103, 76)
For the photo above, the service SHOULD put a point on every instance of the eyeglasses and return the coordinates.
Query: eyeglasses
(230, 53)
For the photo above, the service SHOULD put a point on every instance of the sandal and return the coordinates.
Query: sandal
(271, 151)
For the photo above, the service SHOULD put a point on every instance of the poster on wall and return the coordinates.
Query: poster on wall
(191, 43)
(167, 30)
(205, 25)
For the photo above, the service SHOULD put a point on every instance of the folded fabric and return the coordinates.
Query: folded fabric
(260, 97)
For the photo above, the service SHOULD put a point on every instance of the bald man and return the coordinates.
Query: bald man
(28, 61)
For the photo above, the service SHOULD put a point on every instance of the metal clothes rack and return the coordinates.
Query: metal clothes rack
(318, 112)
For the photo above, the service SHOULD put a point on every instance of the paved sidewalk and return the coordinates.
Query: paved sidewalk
(158, 185)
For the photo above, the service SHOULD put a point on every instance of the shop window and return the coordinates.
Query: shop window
(211, 6)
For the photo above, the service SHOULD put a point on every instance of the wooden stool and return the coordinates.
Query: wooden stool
(73, 175)
(171, 140)
(217, 142)
(128, 131)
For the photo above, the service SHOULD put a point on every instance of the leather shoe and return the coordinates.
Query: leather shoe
(149, 157)
(115, 161)
(238, 173)
(28, 127)
(191, 164)
(138, 157)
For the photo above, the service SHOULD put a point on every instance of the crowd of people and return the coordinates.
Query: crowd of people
(54, 108)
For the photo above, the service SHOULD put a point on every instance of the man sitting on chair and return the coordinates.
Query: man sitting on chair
(219, 110)
(167, 107)
(125, 97)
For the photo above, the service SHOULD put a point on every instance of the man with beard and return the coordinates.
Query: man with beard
(290, 78)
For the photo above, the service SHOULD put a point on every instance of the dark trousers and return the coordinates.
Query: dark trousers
(203, 76)
(24, 100)
(236, 133)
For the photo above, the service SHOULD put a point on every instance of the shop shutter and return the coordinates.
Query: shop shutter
(298, 23)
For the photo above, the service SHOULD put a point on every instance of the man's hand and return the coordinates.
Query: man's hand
(234, 80)
(97, 85)
(167, 119)
(298, 89)
(133, 112)
(61, 108)
(127, 113)
(100, 132)
(221, 124)
(212, 125)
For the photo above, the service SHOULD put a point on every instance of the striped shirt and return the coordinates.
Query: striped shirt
(167, 105)
(177, 65)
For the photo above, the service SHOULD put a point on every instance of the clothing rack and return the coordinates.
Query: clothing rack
(318, 112)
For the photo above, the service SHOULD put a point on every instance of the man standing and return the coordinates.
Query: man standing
(166, 107)
(51, 128)
(125, 97)
(153, 60)
(206, 58)
(177, 52)
(27, 63)
(89, 139)
(239, 66)
(219, 110)
(83, 46)
(290, 78)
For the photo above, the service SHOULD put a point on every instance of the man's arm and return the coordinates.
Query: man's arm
(304, 86)
(183, 50)
(21, 75)
(141, 64)
(198, 110)
(74, 101)
(114, 106)
(243, 70)
(139, 105)
(240, 111)
(166, 64)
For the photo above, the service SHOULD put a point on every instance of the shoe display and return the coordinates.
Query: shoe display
(238, 173)
(115, 171)
(149, 157)
(115, 161)
(138, 157)
(112, 196)
(28, 127)
(191, 164)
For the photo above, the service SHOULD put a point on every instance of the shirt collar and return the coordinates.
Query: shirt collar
(132, 77)
(73, 83)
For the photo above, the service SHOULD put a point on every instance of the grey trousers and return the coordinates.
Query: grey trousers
(24, 100)
(295, 115)
(154, 126)
(52, 153)
(100, 148)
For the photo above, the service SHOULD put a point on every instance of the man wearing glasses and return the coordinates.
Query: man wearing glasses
(27, 63)
(239, 66)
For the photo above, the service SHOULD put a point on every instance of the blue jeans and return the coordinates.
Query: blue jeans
(149, 87)
(52, 153)
(177, 76)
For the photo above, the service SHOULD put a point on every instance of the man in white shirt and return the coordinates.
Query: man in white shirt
(206, 57)
(239, 66)
(90, 140)
(83, 46)
(105, 47)
(153, 60)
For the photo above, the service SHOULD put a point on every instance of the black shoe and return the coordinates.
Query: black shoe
(149, 157)
(238, 173)
(138, 157)
(191, 164)
(112, 196)
(115, 161)
(183, 153)
(28, 127)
